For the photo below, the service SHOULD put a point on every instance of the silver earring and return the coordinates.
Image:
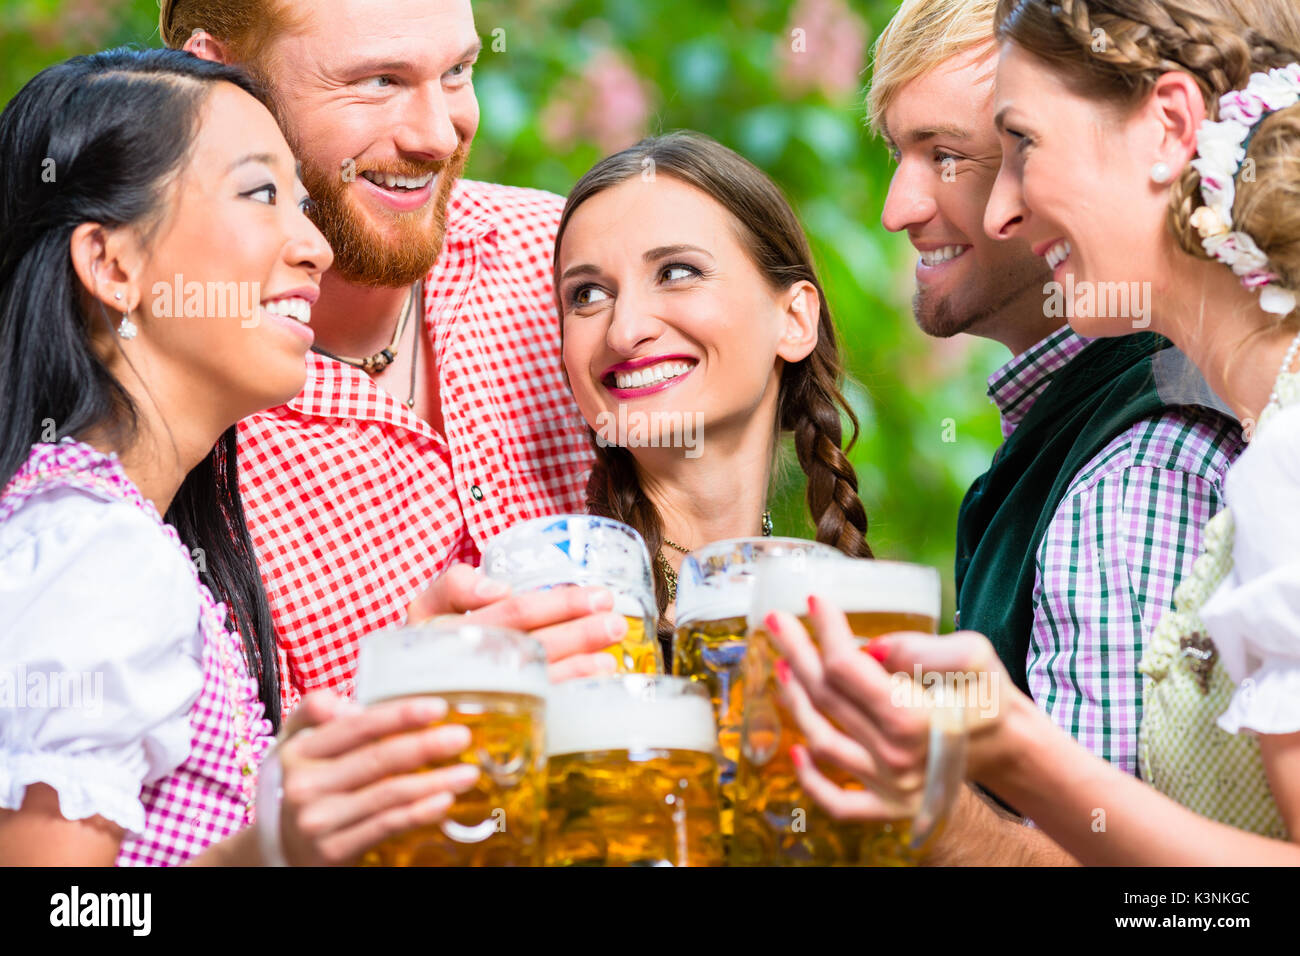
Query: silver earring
(127, 329)
(1161, 173)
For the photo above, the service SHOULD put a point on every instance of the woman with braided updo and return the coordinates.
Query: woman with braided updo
(695, 333)
(1158, 144)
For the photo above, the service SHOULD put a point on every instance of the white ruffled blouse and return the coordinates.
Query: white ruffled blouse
(100, 655)
(1254, 614)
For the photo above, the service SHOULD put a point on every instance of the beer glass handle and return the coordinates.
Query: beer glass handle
(944, 772)
(270, 796)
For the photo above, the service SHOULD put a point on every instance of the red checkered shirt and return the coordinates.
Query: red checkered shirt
(356, 505)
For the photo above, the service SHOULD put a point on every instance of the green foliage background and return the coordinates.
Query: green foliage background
(730, 69)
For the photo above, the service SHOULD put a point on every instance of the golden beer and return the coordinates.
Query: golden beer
(714, 591)
(711, 653)
(632, 777)
(638, 652)
(494, 683)
(586, 550)
(777, 823)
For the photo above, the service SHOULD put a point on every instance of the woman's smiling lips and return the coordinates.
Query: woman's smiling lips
(292, 310)
(1056, 252)
(646, 376)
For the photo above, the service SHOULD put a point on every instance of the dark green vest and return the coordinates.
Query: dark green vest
(1105, 389)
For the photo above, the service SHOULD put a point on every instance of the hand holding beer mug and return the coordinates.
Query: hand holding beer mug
(714, 592)
(778, 821)
(889, 753)
(494, 683)
(586, 550)
(632, 774)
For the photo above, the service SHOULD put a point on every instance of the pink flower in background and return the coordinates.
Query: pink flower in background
(621, 106)
(559, 121)
(75, 25)
(609, 105)
(824, 47)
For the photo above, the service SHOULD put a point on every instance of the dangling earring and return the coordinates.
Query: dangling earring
(767, 524)
(126, 329)
(1161, 173)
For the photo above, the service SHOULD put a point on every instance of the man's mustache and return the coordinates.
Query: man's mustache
(412, 170)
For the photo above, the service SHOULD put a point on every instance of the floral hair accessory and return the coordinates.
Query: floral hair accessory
(1220, 151)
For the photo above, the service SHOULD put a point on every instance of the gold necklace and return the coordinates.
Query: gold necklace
(670, 576)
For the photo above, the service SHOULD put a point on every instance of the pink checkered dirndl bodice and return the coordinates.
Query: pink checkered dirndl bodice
(211, 795)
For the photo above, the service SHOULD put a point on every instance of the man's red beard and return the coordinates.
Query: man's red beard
(400, 252)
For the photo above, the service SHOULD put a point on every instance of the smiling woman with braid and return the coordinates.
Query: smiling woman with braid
(696, 333)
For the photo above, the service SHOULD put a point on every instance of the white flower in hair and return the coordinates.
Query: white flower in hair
(1221, 149)
(1238, 250)
(1274, 90)
(1219, 145)
(1208, 222)
(1276, 300)
(1237, 107)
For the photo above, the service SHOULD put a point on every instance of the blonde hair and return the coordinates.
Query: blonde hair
(1219, 44)
(922, 35)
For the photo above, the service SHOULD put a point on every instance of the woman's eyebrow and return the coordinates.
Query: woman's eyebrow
(265, 158)
(650, 255)
(659, 252)
(586, 269)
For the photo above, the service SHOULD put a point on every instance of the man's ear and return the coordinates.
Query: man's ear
(207, 47)
(803, 310)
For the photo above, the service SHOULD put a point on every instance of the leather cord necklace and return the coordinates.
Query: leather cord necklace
(376, 363)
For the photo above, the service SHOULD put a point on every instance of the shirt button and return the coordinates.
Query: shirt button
(476, 492)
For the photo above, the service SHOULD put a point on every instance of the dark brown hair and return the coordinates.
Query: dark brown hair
(809, 402)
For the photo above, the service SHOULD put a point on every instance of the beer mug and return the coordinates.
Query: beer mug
(586, 550)
(714, 591)
(494, 683)
(632, 774)
(777, 823)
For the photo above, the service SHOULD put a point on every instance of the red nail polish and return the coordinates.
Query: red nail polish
(772, 623)
(796, 758)
(782, 670)
(878, 651)
(813, 605)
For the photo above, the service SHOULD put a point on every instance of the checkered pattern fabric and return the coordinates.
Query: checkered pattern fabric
(211, 795)
(356, 505)
(1122, 538)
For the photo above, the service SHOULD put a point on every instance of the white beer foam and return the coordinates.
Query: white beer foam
(592, 715)
(399, 664)
(853, 584)
(629, 606)
(709, 603)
